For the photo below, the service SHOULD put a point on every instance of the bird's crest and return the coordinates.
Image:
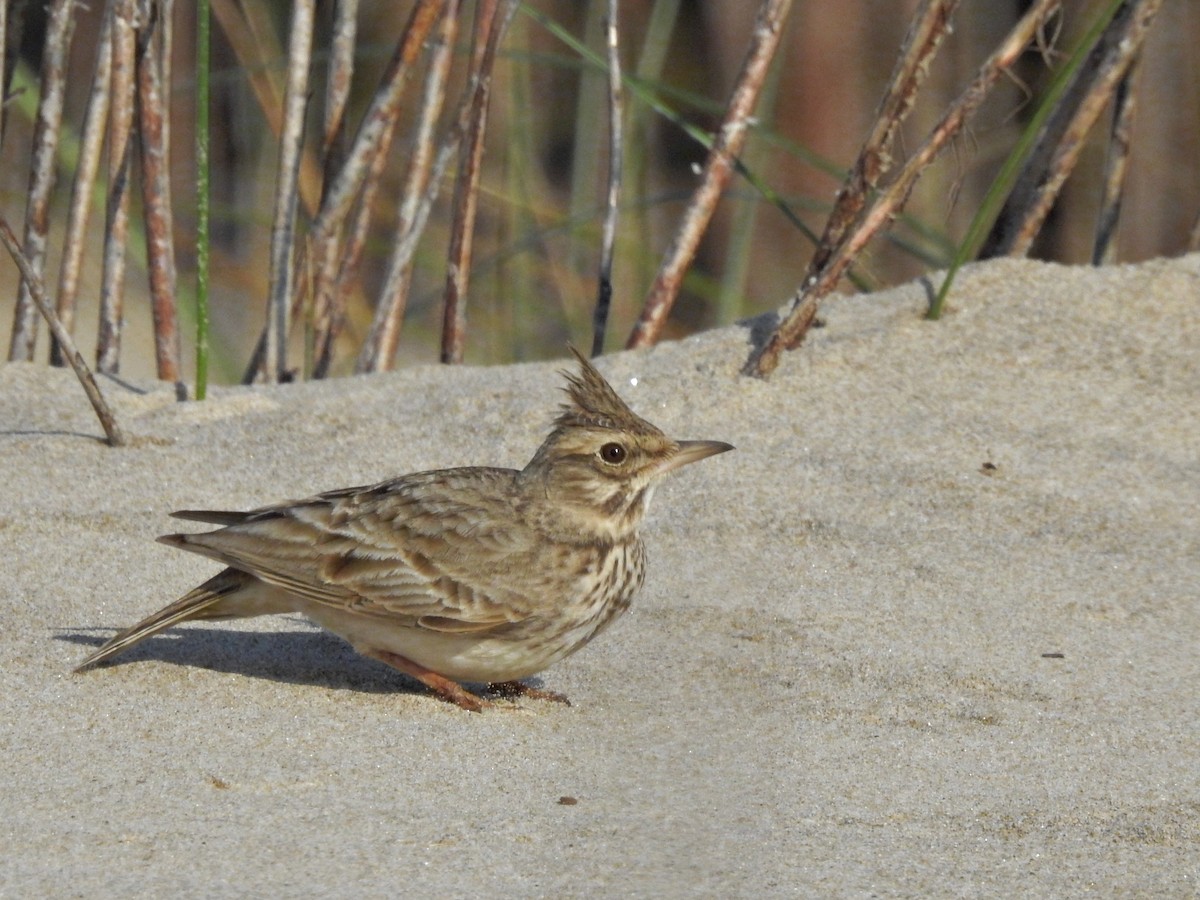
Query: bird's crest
(594, 404)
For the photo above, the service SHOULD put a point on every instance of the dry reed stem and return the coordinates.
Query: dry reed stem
(380, 117)
(718, 169)
(166, 49)
(1062, 139)
(37, 292)
(337, 94)
(491, 21)
(930, 24)
(1116, 166)
(344, 266)
(42, 171)
(352, 179)
(337, 85)
(91, 147)
(120, 166)
(615, 147)
(890, 201)
(283, 228)
(379, 348)
(153, 115)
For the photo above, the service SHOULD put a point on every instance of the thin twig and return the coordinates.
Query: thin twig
(379, 347)
(1116, 166)
(1062, 139)
(86, 170)
(718, 169)
(615, 149)
(491, 21)
(37, 291)
(153, 114)
(120, 159)
(42, 170)
(888, 202)
(283, 229)
(930, 25)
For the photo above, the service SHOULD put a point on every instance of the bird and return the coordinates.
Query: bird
(474, 575)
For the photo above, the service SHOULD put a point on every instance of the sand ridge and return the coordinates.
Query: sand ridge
(932, 629)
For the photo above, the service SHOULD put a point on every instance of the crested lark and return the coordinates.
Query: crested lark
(459, 575)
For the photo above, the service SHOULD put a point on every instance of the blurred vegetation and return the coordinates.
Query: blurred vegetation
(542, 184)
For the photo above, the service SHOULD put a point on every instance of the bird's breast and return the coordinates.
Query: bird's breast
(609, 587)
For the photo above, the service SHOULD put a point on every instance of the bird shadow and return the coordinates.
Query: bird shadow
(302, 657)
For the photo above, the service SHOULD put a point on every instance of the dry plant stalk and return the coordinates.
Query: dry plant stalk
(120, 159)
(287, 187)
(355, 181)
(340, 79)
(37, 293)
(931, 22)
(379, 118)
(1116, 166)
(320, 257)
(1062, 139)
(491, 21)
(86, 171)
(153, 116)
(890, 201)
(42, 171)
(379, 348)
(718, 168)
(616, 144)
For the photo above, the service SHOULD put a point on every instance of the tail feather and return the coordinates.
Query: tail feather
(212, 516)
(205, 602)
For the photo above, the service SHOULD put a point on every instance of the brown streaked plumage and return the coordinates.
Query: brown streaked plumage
(459, 575)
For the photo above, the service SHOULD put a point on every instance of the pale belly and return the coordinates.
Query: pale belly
(507, 655)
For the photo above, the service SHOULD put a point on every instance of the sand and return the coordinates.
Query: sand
(932, 629)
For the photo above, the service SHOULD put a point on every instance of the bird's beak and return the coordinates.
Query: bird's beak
(693, 451)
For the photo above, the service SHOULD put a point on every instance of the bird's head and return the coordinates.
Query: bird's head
(600, 464)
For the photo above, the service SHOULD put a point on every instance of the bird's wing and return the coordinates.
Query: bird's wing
(443, 549)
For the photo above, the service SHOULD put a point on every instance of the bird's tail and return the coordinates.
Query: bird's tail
(221, 597)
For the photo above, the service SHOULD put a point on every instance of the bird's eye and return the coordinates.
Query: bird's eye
(613, 453)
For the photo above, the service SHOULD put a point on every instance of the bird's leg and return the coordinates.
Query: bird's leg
(450, 691)
(520, 689)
